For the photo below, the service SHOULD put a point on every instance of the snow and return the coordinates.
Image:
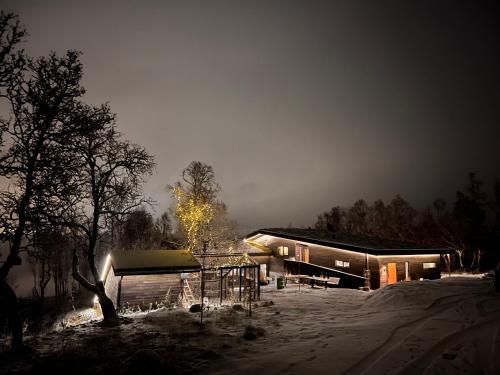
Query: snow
(445, 326)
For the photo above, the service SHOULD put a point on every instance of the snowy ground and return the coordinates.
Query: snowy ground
(429, 327)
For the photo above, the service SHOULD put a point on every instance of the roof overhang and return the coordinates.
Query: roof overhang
(256, 235)
(153, 262)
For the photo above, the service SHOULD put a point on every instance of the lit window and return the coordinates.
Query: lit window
(341, 263)
(283, 250)
(429, 265)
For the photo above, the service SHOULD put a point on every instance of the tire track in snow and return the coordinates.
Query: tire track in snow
(371, 363)
(420, 364)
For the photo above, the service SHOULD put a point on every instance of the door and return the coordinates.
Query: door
(392, 274)
(302, 253)
(298, 253)
(306, 254)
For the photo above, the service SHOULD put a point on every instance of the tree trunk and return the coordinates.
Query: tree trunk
(13, 315)
(110, 316)
(109, 313)
(461, 258)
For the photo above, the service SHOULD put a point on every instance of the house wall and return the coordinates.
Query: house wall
(416, 266)
(326, 257)
(319, 255)
(374, 265)
(144, 289)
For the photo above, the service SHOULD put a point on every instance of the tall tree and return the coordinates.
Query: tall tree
(12, 60)
(469, 212)
(201, 216)
(139, 232)
(357, 217)
(164, 228)
(41, 100)
(332, 221)
(402, 219)
(107, 177)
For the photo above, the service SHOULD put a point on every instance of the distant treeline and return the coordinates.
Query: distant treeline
(470, 225)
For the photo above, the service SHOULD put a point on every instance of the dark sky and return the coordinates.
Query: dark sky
(298, 105)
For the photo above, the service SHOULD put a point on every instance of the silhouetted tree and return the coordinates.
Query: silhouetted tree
(41, 100)
(331, 221)
(357, 218)
(470, 213)
(163, 228)
(402, 218)
(12, 60)
(138, 232)
(107, 177)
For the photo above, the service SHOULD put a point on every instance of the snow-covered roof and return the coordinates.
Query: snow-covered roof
(373, 246)
(153, 262)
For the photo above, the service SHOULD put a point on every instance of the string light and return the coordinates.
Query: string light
(192, 215)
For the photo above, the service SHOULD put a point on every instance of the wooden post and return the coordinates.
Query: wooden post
(221, 286)
(239, 295)
(258, 284)
(249, 301)
(449, 264)
(119, 297)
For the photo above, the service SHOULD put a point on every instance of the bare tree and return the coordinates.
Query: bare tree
(139, 232)
(164, 228)
(199, 182)
(11, 60)
(40, 101)
(107, 177)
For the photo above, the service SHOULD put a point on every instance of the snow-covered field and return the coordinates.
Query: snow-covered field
(445, 326)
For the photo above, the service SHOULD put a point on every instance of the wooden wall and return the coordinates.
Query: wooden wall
(326, 257)
(417, 270)
(319, 255)
(144, 289)
(111, 286)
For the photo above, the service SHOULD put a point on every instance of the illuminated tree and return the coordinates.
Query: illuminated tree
(193, 216)
(201, 216)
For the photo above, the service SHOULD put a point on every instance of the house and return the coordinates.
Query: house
(355, 260)
(143, 277)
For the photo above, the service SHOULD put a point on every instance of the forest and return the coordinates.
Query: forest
(470, 225)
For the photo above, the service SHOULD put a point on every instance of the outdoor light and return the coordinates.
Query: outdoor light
(105, 269)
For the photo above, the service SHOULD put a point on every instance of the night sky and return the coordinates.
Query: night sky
(298, 105)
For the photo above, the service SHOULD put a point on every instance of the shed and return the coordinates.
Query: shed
(147, 276)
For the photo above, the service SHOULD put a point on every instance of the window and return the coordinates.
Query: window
(283, 250)
(429, 265)
(341, 263)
